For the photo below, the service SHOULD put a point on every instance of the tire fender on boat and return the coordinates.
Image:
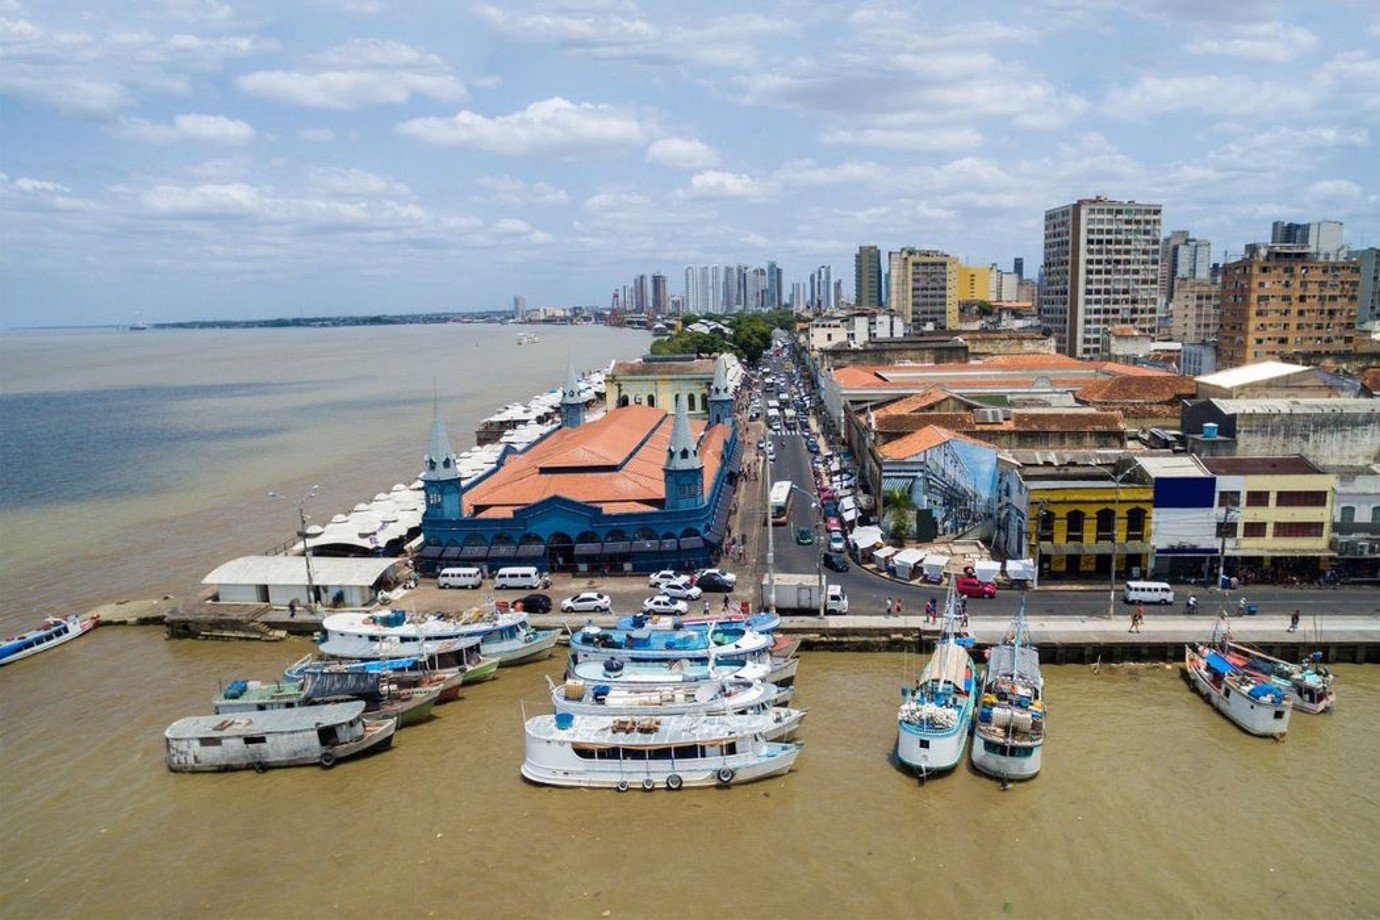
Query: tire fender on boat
(260, 767)
(674, 782)
(621, 785)
(725, 775)
(648, 784)
(327, 759)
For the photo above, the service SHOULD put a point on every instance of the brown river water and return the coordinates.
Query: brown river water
(133, 464)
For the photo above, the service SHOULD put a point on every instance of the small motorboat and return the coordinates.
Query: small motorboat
(54, 632)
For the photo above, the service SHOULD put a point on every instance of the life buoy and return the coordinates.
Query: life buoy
(260, 767)
(327, 759)
(674, 782)
(648, 784)
(621, 785)
(725, 775)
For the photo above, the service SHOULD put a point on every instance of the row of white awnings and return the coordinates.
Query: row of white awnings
(371, 525)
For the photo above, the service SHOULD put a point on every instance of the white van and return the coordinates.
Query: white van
(1147, 592)
(518, 576)
(468, 577)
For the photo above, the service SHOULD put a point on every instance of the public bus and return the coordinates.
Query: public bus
(790, 419)
(781, 502)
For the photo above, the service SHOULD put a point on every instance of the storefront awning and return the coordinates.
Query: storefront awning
(474, 552)
(530, 550)
(452, 552)
(430, 552)
(617, 547)
(645, 546)
(692, 543)
(502, 551)
(588, 549)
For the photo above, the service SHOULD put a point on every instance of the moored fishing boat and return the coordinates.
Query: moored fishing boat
(936, 714)
(1010, 732)
(1308, 683)
(664, 673)
(54, 632)
(381, 693)
(668, 752)
(435, 643)
(762, 622)
(726, 645)
(1254, 703)
(720, 697)
(279, 738)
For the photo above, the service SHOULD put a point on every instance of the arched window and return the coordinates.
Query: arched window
(1106, 526)
(1074, 526)
(651, 400)
(1135, 524)
(1045, 526)
(690, 403)
(622, 400)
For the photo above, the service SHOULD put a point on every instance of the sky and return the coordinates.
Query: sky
(185, 159)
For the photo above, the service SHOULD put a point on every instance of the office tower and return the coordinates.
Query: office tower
(974, 282)
(773, 286)
(822, 288)
(1368, 295)
(1195, 310)
(838, 293)
(755, 281)
(677, 304)
(1018, 266)
(1101, 269)
(1005, 285)
(519, 308)
(640, 299)
(924, 288)
(1279, 300)
(797, 295)
(692, 287)
(867, 277)
(1182, 256)
(661, 298)
(1323, 237)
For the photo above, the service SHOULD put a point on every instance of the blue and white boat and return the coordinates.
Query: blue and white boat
(507, 638)
(729, 644)
(732, 696)
(54, 632)
(936, 714)
(1010, 732)
(762, 622)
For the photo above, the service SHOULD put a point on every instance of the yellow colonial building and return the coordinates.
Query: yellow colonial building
(1079, 515)
(974, 283)
(660, 381)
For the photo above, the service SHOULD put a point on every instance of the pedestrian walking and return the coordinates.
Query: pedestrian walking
(898, 606)
(1294, 622)
(1136, 618)
(886, 608)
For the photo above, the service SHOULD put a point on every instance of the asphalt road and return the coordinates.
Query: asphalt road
(867, 591)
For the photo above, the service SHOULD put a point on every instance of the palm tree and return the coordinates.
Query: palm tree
(899, 512)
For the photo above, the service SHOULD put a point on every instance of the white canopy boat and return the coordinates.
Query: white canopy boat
(1010, 731)
(720, 697)
(276, 738)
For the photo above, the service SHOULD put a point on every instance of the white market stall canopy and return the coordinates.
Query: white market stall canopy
(864, 538)
(934, 566)
(986, 570)
(1020, 569)
(907, 561)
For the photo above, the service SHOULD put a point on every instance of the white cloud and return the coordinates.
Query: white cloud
(682, 153)
(26, 184)
(334, 180)
(507, 190)
(359, 73)
(551, 127)
(917, 138)
(317, 135)
(1332, 190)
(1276, 42)
(720, 184)
(1206, 93)
(207, 129)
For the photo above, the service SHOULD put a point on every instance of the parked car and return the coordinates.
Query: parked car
(969, 586)
(805, 536)
(728, 577)
(535, 603)
(681, 589)
(837, 543)
(657, 579)
(836, 562)
(835, 600)
(665, 605)
(831, 522)
(713, 583)
(830, 508)
(588, 602)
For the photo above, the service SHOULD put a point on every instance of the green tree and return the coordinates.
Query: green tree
(899, 512)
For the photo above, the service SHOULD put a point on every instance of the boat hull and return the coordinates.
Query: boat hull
(378, 736)
(930, 751)
(539, 648)
(783, 671)
(778, 760)
(29, 644)
(1250, 716)
(483, 671)
(1005, 766)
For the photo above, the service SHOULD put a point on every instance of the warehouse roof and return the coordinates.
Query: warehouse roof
(1300, 406)
(292, 570)
(1252, 373)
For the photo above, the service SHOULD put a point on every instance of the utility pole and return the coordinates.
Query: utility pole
(771, 528)
(1116, 517)
(306, 546)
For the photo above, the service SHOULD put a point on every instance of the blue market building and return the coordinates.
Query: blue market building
(636, 490)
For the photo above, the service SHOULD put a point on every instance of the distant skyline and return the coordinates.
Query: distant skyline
(198, 159)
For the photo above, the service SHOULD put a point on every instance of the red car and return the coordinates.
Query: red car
(832, 523)
(969, 586)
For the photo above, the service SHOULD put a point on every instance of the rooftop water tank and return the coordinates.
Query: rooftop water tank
(1209, 429)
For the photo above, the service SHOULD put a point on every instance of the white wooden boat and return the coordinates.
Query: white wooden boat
(277, 738)
(935, 717)
(1009, 735)
(54, 632)
(1309, 683)
(1255, 704)
(671, 752)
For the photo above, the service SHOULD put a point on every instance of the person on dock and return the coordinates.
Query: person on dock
(886, 608)
(725, 603)
(1294, 622)
(706, 606)
(1137, 618)
(898, 606)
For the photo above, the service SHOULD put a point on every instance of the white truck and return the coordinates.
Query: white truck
(799, 595)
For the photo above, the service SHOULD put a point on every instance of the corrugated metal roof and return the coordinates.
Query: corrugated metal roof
(1252, 373)
(292, 570)
(1298, 406)
(1178, 466)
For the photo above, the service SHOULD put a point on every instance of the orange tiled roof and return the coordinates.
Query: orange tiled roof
(924, 439)
(614, 462)
(1158, 389)
(930, 396)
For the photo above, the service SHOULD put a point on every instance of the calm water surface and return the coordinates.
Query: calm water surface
(134, 464)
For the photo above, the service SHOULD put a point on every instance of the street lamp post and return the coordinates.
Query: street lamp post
(306, 546)
(1116, 517)
(771, 535)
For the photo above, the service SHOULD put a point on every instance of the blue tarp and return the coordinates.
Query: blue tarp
(1219, 664)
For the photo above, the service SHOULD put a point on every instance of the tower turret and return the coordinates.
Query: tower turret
(720, 394)
(440, 473)
(683, 470)
(572, 403)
